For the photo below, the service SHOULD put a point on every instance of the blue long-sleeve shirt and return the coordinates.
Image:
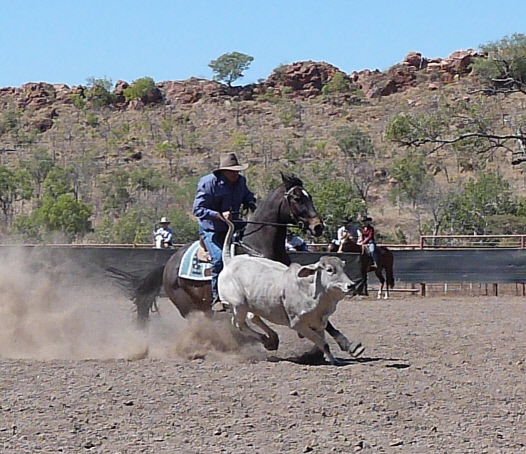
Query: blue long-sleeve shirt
(215, 195)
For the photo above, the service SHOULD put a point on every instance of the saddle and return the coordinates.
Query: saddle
(202, 252)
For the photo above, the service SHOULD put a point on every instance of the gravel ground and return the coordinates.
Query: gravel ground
(439, 375)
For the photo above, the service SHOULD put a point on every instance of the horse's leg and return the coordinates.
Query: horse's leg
(354, 349)
(273, 339)
(386, 295)
(380, 276)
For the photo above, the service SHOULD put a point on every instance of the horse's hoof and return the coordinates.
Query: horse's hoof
(270, 344)
(336, 362)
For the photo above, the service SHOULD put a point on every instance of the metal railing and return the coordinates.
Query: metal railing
(472, 241)
(426, 242)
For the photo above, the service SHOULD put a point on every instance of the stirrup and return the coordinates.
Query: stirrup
(218, 306)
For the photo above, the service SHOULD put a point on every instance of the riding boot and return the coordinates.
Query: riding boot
(218, 305)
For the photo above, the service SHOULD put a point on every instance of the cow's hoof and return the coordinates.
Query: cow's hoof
(356, 350)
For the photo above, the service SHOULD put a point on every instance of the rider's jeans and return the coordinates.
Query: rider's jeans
(214, 244)
(372, 251)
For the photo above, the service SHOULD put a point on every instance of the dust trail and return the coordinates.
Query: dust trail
(200, 337)
(56, 310)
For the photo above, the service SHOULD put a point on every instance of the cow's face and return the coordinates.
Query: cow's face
(329, 275)
(334, 275)
(303, 212)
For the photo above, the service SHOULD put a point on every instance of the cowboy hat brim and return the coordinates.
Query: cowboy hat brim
(237, 168)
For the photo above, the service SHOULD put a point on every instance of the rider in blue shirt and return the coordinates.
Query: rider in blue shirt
(221, 193)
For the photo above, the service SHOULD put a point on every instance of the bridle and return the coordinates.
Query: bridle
(297, 222)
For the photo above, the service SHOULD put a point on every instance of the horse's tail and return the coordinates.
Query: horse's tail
(143, 291)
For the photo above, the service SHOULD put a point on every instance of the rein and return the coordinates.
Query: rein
(273, 224)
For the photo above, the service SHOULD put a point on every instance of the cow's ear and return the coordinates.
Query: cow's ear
(308, 270)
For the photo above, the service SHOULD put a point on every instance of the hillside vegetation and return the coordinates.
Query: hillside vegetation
(425, 147)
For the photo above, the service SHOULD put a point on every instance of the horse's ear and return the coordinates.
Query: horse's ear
(290, 180)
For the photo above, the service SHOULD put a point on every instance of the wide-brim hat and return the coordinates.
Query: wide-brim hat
(164, 221)
(228, 161)
(367, 219)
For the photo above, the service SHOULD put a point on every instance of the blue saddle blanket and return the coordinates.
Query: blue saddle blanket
(193, 268)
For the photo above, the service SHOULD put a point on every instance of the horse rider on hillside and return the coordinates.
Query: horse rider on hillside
(220, 194)
(368, 239)
(164, 235)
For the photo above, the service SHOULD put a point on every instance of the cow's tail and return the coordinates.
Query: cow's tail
(227, 245)
(143, 291)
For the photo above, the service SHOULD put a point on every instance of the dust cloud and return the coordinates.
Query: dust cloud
(51, 310)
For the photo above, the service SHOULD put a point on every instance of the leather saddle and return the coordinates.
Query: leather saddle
(202, 252)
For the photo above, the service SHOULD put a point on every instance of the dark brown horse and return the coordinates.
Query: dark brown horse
(264, 235)
(385, 263)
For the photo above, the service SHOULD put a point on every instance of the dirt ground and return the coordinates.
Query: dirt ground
(439, 375)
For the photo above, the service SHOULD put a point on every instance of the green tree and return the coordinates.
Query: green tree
(229, 67)
(38, 167)
(354, 142)
(10, 121)
(132, 228)
(99, 92)
(115, 188)
(335, 198)
(470, 211)
(142, 89)
(63, 215)
(184, 226)
(15, 185)
(59, 180)
(339, 83)
(503, 68)
(411, 177)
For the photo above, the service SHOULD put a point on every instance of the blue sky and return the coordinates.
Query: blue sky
(59, 41)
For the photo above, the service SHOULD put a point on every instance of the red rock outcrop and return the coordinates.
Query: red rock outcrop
(306, 78)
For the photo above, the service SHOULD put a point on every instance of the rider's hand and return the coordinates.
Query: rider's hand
(227, 215)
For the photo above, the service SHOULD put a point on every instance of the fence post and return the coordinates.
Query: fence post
(495, 289)
(422, 289)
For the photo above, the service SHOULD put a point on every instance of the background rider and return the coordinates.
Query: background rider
(164, 235)
(295, 243)
(368, 239)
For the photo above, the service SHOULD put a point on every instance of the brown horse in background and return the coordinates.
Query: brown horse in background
(385, 263)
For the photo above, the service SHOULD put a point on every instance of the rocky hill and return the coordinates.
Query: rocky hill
(291, 121)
